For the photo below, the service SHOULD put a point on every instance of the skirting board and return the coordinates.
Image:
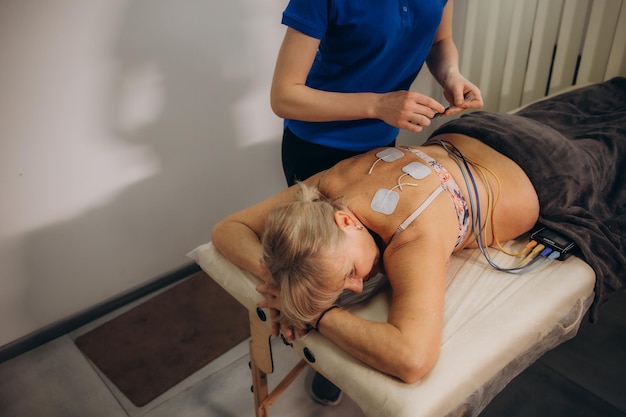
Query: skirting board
(57, 329)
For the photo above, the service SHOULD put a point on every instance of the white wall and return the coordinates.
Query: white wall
(127, 129)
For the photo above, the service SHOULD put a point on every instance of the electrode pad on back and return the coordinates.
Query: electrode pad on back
(385, 201)
(416, 170)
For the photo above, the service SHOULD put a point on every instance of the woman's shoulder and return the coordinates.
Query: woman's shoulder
(347, 169)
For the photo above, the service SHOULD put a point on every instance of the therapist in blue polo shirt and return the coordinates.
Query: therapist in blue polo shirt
(344, 70)
(341, 83)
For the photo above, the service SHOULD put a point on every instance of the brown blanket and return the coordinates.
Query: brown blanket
(573, 148)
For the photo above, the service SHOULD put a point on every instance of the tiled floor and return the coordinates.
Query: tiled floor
(583, 377)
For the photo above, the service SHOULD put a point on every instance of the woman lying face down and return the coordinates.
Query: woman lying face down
(403, 210)
(315, 249)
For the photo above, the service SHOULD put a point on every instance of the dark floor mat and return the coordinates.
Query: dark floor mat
(157, 344)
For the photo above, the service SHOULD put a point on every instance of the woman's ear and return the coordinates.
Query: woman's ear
(344, 219)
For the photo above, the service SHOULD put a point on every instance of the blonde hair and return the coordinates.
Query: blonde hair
(297, 240)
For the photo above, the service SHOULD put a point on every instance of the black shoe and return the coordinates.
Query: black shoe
(325, 392)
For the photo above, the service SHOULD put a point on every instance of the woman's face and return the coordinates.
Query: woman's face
(356, 261)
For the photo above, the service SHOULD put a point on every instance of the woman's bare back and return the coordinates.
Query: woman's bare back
(356, 182)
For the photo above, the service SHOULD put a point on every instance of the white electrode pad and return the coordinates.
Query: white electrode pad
(416, 170)
(385, 201)
(387, 155)
(390, 154)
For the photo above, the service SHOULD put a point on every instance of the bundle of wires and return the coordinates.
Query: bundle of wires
(534, 255)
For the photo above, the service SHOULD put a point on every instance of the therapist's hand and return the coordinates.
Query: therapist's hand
(407, 110)
(461, 94)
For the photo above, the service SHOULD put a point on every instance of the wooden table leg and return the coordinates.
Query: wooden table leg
(261, 364)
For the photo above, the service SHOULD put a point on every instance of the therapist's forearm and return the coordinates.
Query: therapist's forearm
(300, 102)
(443, 60)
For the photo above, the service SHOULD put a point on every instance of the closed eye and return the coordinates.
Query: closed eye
(350, 274)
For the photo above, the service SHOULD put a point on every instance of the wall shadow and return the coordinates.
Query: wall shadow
(145, 230)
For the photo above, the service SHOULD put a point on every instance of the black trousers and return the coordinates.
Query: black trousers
(301, 159)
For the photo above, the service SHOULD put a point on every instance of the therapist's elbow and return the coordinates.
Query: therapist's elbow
(279, 106)
(283, 101)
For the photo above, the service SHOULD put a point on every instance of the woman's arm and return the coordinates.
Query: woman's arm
(292, 99)
(407, 345)
(443, 63)
(238, 240)
(238, 235)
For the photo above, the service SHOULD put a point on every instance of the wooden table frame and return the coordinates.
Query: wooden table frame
(262, 364)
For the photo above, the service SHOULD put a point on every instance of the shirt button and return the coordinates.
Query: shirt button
(405, 9)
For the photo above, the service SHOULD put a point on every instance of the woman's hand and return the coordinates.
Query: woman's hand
(272, 302)
(270, 291)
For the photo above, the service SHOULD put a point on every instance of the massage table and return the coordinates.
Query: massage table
(495, 325)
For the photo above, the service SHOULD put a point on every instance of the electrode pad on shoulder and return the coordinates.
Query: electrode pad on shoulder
(387, 155)
(390, 154)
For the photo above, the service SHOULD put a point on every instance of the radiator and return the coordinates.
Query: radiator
(519, 51)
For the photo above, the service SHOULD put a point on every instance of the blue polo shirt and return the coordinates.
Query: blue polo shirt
(365, 46)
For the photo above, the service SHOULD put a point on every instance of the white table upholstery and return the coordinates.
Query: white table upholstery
(496, 324)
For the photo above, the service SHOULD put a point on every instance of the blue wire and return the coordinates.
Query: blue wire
(553, 255)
